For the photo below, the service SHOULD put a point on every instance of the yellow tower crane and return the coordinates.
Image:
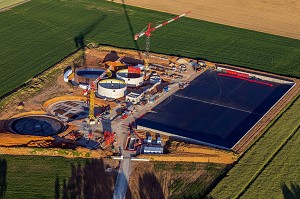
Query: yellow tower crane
(90, 92)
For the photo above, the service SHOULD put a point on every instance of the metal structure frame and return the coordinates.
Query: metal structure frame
(148, 32)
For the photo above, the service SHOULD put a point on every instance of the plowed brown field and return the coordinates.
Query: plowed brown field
(279, 17)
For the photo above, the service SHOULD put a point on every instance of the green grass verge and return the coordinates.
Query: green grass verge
(34, 176)
(276, 153)
(36, 35)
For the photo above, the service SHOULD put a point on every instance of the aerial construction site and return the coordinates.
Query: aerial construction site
(124, 104)
(113, 99)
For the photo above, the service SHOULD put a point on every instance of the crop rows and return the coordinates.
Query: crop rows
(255, 165)
(36, 35)
(34, 177)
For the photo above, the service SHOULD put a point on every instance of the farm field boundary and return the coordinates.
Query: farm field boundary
(33, 41)
(7, 4)
(257, 158)
(267, 162)
(38, 177)
(274, 17)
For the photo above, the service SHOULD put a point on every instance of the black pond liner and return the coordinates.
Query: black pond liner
(213, 109)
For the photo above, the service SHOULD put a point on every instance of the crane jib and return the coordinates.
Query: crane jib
(137, 36)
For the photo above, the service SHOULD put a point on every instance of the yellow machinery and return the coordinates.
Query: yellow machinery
(92, 118)
(90, 91)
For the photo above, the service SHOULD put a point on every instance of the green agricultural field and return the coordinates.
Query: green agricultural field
(6, 3)
(39, 177)
(36, 35)
(271, 166)
(182, 188)
(34, 177)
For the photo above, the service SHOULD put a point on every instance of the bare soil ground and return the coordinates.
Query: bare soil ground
(50, 85)
(68, 153)
(8, 139)
(279, 17)
(183, 152)
(46, 86)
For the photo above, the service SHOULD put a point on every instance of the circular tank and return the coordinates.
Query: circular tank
(38, 125)
(132, 80)
(112, 88)
(87, 75)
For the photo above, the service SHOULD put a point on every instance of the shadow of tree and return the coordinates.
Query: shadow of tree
(128, 193)
(3, 184)
(65, 194)
(57, 188)
(90, 181)
(150, 187)
(290, 193)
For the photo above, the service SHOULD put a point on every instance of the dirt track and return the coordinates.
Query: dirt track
(183, 152)
(279, 17)
(187, 157)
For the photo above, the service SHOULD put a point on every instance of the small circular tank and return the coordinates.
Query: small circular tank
(112, 88)
(131, 79)
(87, 75)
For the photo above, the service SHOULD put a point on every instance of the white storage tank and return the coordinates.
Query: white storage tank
(112, 88)
(131, 79)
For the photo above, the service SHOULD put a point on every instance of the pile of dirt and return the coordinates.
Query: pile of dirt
(11, 139)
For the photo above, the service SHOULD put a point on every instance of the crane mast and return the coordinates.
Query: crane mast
(90, 91)
(148, 34)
